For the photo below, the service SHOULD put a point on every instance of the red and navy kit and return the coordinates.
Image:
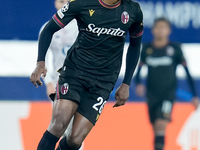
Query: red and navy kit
(97, 52)
(93, 62)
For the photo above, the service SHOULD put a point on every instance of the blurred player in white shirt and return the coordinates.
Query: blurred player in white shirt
(60, 44)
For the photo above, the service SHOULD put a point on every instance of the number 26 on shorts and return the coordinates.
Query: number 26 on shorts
(99, 105)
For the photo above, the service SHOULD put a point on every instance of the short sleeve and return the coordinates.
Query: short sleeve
(136, 29)
(68, 12)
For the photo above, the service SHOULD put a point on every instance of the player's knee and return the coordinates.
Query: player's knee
(58, 124)
(75, 141)
(160, 126)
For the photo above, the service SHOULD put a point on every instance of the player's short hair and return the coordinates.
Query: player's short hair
(161, 19)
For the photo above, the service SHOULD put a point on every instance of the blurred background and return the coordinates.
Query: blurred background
(25, 111)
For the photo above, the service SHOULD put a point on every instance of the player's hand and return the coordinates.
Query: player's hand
(39, 70)
(50, 88)
(195, 102)
(140, 90)
(121, 95)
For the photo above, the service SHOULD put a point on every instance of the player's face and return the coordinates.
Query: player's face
(59, 3)
(161, 30)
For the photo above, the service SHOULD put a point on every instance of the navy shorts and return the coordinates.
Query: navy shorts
(90, 97)
(160, 107)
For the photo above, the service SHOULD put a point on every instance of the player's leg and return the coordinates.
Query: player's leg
(80, 129)
(68, 131)
(159, 127)
(63, 110)
(87, 114)
(162, 118)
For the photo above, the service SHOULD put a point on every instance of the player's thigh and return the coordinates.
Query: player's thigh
(151, 104)
(68, 93)
(80, 129)
(163, 114)
(164, 110)
(160, 125)
(63, 110)
(68, 96)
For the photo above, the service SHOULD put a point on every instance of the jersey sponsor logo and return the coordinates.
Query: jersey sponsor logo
(159, 61)
(125, 17)
(111, 31)
(65, 7)
(91, 11)
(64, 88)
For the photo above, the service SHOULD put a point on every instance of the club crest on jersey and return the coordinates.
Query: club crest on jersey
(65, 7)
(64, 88)
(125, 17)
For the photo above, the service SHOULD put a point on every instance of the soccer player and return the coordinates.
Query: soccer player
(91, 67)
(162, 57)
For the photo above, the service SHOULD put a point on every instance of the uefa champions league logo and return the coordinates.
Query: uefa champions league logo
(65, 7)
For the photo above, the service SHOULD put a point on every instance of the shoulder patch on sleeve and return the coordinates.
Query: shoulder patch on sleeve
(60, 13)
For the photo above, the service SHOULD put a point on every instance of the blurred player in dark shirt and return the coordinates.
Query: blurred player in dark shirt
(161, 57)
(91, 67)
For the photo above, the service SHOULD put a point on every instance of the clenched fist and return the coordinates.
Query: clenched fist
(39, 70)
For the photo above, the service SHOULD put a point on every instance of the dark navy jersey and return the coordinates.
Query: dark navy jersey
(162, 64)
(97, 52)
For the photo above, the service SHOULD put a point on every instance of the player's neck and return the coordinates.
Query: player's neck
(160, 42)
(111, 2)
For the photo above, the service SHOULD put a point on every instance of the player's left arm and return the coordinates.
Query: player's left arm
(132, 57)
(195, 99)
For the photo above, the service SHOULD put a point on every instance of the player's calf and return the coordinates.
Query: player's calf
(63, 145)
(159, 131)
(48, 141)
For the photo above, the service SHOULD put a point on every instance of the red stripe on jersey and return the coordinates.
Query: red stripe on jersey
(109, 6)
(58, 21)
(137, 35)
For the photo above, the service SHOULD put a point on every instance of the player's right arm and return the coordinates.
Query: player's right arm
(63, 16)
